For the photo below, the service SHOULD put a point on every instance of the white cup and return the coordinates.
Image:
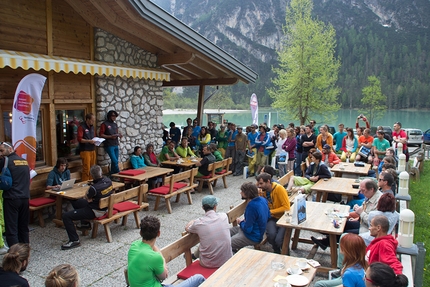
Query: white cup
(302, 263)
(295, 270)
(277, 265)
(283, 283)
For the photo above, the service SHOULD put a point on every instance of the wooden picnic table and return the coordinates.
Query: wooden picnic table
(78, 191)
(252, 268)
(350, 169)
(150, 172)
(317, 221)
(337, 185)
(186, 163)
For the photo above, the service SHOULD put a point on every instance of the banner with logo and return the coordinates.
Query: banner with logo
(254, 109)
(25, 110)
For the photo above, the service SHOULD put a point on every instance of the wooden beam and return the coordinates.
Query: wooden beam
(74, 101)
(49, 40)
(206, 82)
(175, 59)
(200, 104)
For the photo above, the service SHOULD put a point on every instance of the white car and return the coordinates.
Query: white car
(414, 136)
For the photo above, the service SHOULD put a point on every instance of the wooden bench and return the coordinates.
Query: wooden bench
(286, 178)
(417, 166)
(120, 206)
(175, 184)
(40, 200)
(213, 177)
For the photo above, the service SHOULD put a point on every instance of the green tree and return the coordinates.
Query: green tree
(305, 84)
(374, 102)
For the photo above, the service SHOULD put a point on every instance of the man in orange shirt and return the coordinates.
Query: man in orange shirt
(365, 143)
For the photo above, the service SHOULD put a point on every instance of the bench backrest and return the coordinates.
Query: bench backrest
(125, 195)
(286, 178)
(181, 246)
(236, 212)
(224, 164)
(188, 174)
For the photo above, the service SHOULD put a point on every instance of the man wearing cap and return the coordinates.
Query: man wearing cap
(109, 131)
(241, 142)
(329, 157)
(379, 147)
(213, 230)
(252, 160)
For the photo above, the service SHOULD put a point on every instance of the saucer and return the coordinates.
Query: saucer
(297, 280)
(289, 271)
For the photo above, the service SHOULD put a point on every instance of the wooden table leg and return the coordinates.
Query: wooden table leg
(333, 250)
(324, 197)
(318, 199)
(295, 239)
(286, 244)
(59, 211)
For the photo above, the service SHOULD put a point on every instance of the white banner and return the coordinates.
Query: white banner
(254, 109)
(25, 110)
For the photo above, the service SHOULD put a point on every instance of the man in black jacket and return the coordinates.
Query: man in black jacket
(88, 208)
(16, 199)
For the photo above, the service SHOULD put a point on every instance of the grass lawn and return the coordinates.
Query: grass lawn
(420, 205)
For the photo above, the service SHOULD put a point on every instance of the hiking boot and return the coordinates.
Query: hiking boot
(70, 245)
(322, 243)
(83, 226)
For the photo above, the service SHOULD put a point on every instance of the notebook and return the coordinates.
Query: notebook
(68, 184)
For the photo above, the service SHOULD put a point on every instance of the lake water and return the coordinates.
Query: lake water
(409, 119)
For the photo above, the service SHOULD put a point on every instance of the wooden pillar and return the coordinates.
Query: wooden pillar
(200, 104)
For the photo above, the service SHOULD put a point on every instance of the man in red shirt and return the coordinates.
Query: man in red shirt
(366, 141)
(399, 136)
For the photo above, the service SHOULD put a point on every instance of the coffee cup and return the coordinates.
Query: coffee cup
(295, 270)
(302, 263)
(283, 283)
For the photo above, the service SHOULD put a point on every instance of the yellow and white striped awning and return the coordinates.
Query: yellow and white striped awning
(37, 62)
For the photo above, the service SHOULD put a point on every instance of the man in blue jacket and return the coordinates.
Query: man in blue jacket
(250, 230)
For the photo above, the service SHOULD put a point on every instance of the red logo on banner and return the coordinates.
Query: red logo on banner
(23, 102)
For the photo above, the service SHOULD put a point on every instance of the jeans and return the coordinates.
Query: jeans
(239, 239)
(297, 168)
(275, 234)
(193, 281)
(240, 156)
(231, 152)
(16, 219)
(113, 153)
(82, 211)
(329, 283)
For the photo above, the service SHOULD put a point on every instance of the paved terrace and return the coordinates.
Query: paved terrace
(101, 264)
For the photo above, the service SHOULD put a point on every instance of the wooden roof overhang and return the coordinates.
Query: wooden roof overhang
(190, 58)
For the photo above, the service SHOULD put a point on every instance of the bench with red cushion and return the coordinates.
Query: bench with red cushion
(214, 175)
(195, 268)
(38, 204)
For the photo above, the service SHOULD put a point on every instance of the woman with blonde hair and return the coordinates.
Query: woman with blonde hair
(354, 264)
(64, 275)
(14, 262)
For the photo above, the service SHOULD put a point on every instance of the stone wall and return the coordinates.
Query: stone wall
(139, 102)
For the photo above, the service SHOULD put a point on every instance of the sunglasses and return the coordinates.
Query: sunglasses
(368, 279)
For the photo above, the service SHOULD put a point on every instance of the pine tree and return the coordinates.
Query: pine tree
(308, 70)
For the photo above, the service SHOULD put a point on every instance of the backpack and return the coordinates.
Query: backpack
(5, 177)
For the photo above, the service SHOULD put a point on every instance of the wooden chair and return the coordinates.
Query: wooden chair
(214, 175)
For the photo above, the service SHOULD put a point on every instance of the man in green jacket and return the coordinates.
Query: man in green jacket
(183, 150)
(222, 140)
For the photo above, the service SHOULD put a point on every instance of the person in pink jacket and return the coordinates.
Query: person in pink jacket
(329, 157)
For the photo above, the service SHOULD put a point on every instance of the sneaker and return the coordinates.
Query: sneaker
(70, 245)
(83, 226)
(323, 243)
(3, 250)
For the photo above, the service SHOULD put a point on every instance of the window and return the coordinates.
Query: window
(67, 122)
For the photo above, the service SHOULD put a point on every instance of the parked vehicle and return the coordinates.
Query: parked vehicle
(426, 137)
(414, 136)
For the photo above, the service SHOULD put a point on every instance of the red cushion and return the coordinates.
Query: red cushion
(221, 172)
(196, 268)
(124, 206)
(179, 185)
(105, 215)
(161, 190)
(41, 201)
(132, 172)
(206, 176)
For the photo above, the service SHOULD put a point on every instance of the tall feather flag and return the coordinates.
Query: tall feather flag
(25, 110)
(254, 108)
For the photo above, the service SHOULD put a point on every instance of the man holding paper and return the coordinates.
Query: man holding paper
(279, 202)
(87, 146)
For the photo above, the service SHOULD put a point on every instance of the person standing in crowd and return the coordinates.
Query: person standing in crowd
(109, 131)
(308, 141)
(241, 142)
(16, 199)
(189, 125)
(364, 119)
(314, 129)
(222, 140)
(175, 133)
(231, 148)
(299, 150)
(261, 141)
(146, 265)
(58, 174)
(204, 137)
(87, 148)
(279, 202)
(251, 229)
(213, 230)
(212, 131)
(63, 275)
(87, 208)
(15, 261)
(196, 128)
(290, 146)
(280, 153)
(252, 152)
(338, 137)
